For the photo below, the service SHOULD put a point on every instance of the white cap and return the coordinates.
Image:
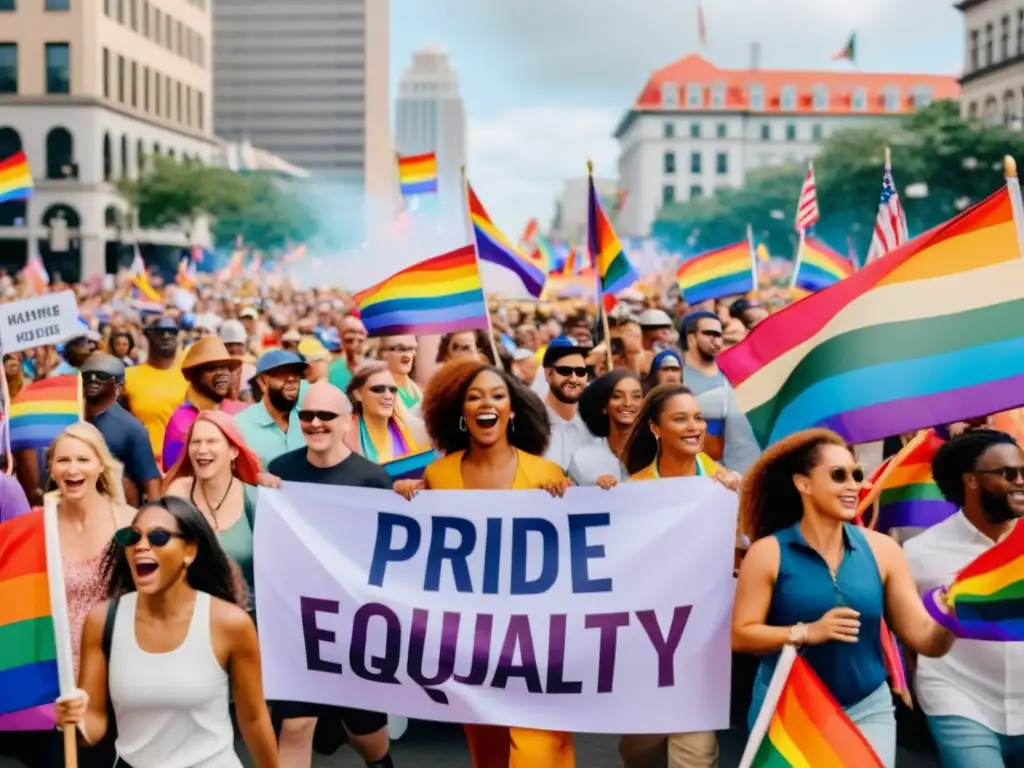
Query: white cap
(522, 354)
(631, 295)
(232, 332)
(655, 318)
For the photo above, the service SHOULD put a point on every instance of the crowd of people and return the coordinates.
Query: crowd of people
(187, 414)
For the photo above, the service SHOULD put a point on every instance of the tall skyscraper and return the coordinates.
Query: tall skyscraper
(308, 81)
(430, 116)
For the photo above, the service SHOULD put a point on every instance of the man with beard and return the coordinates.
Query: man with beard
(399, 352)
(729, 438)
(208, 368)
(325, 417)
(971, 696)
(154, 389)
(271, 426)
(566, 372)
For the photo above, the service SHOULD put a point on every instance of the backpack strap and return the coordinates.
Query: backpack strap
(108, 626)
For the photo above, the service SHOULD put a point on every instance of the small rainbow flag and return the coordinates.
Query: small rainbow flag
(493, 247)
(439, 295)
(727, 271)
(410, 467)
(800, 724)
(43, 409)
(818, 266)
(15, 178)
(417, 174)
(613, 267)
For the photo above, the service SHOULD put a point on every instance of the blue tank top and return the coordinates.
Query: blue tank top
(805, 591)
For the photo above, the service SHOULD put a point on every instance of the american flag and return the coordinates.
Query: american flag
(807, 208)
(891, 224)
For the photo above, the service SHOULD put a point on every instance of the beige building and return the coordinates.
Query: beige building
(308, 80)
(89, 89)
(993, 80)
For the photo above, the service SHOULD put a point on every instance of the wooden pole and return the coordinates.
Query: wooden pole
(476, 254)
(5, 396)
(70, 747)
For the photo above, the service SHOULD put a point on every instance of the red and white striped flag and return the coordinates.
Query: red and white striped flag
(807, 207)
(891, 224)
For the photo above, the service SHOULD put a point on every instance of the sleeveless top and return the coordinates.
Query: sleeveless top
(171, 708)
(85, 588)
(804, 591)
(236, 541)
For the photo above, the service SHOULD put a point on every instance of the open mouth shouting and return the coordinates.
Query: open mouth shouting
(145, 571)
(73, 484)
(486, 420)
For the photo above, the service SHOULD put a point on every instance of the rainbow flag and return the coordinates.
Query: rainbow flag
(801, 725)
(43, 409)
(417, 174)
(728, 271)
(410, 467)
(15, 178)
(931, 334)
(492, 246)
(439, 295)
(818, 266)
(613, 267)
(35, 643)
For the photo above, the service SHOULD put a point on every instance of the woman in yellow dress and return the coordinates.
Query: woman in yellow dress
(493, 431)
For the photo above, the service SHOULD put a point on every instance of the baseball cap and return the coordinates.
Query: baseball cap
(655, 318)
(311, 349)
(232, 332)
(100, 362)
(162, 324)
(279, 358)
(563, 346)
(522, 354)
(249, 312)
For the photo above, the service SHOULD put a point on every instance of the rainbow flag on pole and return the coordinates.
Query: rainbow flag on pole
(818, 266)
(43, 410)
(614, 271)
(932, 333)
(439, 295)
(728, 271)
(417, 174)
(15, 178)
(492, 246)
(801, 725)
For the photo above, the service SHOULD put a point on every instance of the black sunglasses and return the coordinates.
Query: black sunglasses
(324, 416)
(157, 537)
(842, 474)
(380, 389)
(99, 376)
(712, 334)
(1010, 474)
(568, 370)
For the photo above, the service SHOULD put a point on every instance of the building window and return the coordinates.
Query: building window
(669, 162)
(120, 11)
(817, 132)
(145, 18)
(106, 73)
(200, 107)
(757, 97)
(60, 153)
(972, 110)
(180, 113)
(145, 88)
(921, 96)
(988, 45)
(696, 191)
(787, 98)
(135, 84)
(721, 130)
(669, 95)
(108, 158)
(8, 67)
(668, 130)
(790, 131)
(1020, 32)
(859, 102)
(120, 78)
(668, 194)
(58, 5)
(694, 95)
(722, 163)
(140, 157)
(58, 68)
(1004, 38)
(157, 24)
(694, 130)
(8, 5)
(975, 43)
(167, 103)
(124, 157)
(188, 106)
(892, 99)
(156, 101)
(695, 162)
(820, 98)
(718, 96)
(766, 132)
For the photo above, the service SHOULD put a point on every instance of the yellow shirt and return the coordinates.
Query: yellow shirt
(153, 395)
(445, 474)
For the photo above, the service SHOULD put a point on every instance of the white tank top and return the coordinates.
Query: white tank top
(171, 708)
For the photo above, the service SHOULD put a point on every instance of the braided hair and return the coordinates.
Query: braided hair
(959, 456)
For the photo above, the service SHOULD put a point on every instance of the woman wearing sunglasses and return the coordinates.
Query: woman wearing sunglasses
(381, 430)
(814, 579)
(180, 645)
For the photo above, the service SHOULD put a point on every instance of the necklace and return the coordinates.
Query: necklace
(215, 509)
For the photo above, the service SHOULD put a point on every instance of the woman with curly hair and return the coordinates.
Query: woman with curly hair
(814, 579)
(608, 406)
(493, 431)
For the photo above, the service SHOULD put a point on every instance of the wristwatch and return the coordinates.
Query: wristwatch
(797, 634)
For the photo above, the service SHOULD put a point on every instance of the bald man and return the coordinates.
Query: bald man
(325, 416)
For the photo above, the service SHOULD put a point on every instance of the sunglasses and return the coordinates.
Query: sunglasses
(157, 537)
(97, 376)
(380, 389)
(842, 474)
(308, 416)
(1010, 474)
(712, 334)
(568, 370)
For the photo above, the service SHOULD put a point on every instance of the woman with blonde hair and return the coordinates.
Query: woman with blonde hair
(381, 430)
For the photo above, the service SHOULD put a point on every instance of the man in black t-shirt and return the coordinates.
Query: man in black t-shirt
(325, 415)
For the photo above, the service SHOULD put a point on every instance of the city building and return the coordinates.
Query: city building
(993, 80)
(695, 127)
(569, 223)
(308, 81)
(430, 117)
(90, 89)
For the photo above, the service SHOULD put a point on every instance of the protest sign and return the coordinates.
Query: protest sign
(49, 319)
(604, 611)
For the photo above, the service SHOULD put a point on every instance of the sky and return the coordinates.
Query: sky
(546, 81)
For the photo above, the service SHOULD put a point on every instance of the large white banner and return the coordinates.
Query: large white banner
(604, 612)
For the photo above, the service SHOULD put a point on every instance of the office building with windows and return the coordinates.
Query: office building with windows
(90, 90)
(695, 127)
(993, 80)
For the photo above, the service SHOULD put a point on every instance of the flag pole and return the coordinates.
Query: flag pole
(1016, 204)
(753, 259)
(602, 313)
(476, 255)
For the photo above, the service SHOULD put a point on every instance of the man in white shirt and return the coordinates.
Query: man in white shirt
(974, 696)
(566, 373)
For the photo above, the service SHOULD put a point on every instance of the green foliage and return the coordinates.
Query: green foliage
(959, 161)
(272, 217)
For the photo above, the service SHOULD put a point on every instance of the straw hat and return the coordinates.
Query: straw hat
(208, 351)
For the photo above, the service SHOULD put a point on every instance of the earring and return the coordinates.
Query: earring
(462, 424)
(512, 423)
(187, 562)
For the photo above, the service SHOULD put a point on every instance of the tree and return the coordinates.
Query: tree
(959, 162)
(273, 216)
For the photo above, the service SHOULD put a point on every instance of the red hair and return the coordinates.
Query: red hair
(246, 467)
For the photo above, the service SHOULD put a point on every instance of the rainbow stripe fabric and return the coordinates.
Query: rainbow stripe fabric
(931, 334)
(411, 467)
(820, 266)
(727, 271)
(439, 295)
(417, 174)
(493, 247)
(613, 267)
(807, 728)
(43, 409)
(28, 649)
(15, 178)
